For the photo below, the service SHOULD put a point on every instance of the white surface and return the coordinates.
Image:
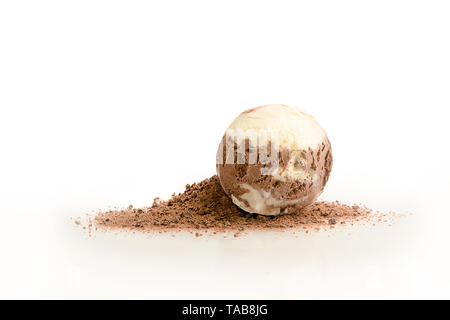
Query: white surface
(107, 103)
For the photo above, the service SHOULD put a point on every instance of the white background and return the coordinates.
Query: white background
(107, 103)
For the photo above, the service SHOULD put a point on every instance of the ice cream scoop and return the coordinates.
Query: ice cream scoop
(274, 159)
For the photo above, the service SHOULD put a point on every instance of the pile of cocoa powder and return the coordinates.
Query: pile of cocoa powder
(204, 208)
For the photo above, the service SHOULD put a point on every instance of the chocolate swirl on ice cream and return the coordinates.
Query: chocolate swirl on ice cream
(274, 159)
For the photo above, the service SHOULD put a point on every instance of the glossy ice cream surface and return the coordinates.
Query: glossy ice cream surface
(274, 159)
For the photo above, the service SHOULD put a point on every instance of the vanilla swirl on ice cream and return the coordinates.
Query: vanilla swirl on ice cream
(274, 159)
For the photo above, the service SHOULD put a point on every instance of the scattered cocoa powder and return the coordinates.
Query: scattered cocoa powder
(204, 207)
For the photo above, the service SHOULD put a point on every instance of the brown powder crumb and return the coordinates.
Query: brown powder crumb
(204, 207)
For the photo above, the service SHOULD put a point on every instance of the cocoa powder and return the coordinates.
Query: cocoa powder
(204, 207)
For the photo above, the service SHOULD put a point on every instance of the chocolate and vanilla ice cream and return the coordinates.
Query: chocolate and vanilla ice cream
(272, 164)
(274, 159)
